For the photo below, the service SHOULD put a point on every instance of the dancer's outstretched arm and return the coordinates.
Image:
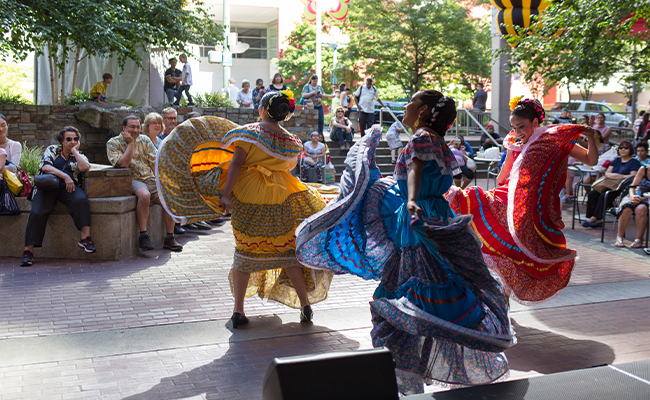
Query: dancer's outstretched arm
(238, 159)
(413, 184)
(587, 156)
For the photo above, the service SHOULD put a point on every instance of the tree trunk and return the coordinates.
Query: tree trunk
(49, 59)
(64, 60)
(54, 70)
(75, 70)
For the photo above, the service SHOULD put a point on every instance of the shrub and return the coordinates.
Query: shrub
(9, 97)
(78, 97)
(31, 158)
(213, 100)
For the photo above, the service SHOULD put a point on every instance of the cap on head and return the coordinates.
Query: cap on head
(565, 109)
(489, 126)
(368, 79)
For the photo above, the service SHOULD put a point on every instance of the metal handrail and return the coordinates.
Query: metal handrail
(390, 111)
(480, 125)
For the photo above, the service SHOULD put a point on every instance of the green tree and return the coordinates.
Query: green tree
(298, 60)
(583, 42)
(418, 43)
(107, 28)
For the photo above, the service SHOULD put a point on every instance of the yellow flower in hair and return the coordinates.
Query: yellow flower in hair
(287, 93)
(514, 101)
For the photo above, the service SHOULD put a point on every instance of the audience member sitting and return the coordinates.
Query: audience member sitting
(258, 92)
(602, 149)
(393, 140)
(468, 148)
(605, 131)
(314, 152)
(132, 150)
(642, 153)
(642, 133)
(635, 202)
(341, 128)
(3, 159)
(458, 149)
(12, 148)
(66, 163)
(621, 168)
(486, 142)
(152, 127)
(564, 118)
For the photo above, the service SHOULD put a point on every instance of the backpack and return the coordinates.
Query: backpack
(356, 98)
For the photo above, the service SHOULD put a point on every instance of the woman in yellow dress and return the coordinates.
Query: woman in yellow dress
(208, 167)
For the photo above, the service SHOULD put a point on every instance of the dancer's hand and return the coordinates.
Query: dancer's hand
(226, 204)
(413, 209)
(589, 132)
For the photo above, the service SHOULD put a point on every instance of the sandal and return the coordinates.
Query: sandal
(619, 242)
(637, 244)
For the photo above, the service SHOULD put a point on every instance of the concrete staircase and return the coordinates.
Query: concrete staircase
(382, 157)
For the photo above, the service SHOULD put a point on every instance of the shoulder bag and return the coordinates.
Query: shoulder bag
(8, 205)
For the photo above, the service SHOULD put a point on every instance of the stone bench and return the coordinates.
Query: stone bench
(113, 228)
(113, 225)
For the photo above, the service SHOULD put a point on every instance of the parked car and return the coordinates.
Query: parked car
(396, 108)
(578, 108)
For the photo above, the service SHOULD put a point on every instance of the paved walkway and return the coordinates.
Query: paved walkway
(156, 326)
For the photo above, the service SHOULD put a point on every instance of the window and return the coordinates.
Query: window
(592, 107)
(256, 39)
(605, 109)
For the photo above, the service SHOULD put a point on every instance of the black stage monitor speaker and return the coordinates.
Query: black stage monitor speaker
(355, 375)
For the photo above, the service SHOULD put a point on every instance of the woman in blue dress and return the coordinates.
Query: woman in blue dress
(437, 308)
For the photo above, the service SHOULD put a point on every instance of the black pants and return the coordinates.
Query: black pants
(596, 204)
(469, 174)
(44, 202)
(366, 120)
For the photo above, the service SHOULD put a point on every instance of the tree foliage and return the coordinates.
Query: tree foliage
(107, 28)
(409, 43)
(583, 42)
(419, 43)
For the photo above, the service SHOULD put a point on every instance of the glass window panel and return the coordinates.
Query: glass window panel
(251, 32)
(592, 107)
(252, 53)
(574, 106)
(254, 43)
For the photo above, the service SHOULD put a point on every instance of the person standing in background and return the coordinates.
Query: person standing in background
(365, 97)
(478, 102)
(186, 82)
(258, 92)
(172, 80)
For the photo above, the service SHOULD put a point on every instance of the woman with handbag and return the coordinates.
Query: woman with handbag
(314, 151)
(58, 181)
(621, 168)
(12, 148)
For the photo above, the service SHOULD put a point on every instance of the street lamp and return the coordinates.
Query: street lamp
(335, 40)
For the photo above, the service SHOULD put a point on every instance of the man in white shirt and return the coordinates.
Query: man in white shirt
(365, 97)
(186, 82)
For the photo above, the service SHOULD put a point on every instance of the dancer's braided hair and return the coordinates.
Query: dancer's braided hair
(442, 110)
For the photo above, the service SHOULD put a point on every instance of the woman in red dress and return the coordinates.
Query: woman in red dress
(519, 223)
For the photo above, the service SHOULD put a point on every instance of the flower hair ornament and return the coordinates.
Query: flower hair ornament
(288, 94)
(535, 104)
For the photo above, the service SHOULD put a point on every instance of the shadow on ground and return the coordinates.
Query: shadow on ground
(239, 372)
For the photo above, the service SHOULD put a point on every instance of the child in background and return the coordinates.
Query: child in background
(98, 92)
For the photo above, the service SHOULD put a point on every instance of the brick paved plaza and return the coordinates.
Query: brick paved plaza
(155, 327)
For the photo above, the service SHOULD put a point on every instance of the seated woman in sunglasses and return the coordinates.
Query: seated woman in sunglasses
(65, 162)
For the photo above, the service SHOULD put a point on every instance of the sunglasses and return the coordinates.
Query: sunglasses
(70, 139)
(625, 148)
